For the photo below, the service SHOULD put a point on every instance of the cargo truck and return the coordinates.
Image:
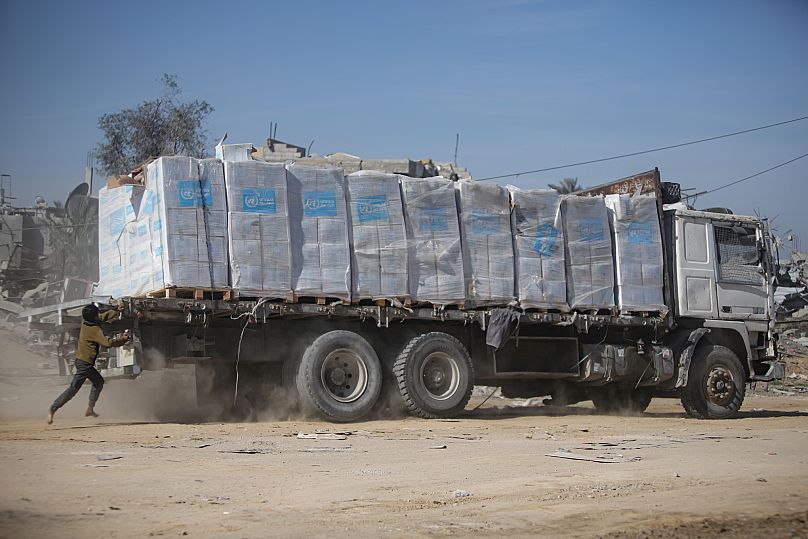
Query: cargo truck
(713, 335)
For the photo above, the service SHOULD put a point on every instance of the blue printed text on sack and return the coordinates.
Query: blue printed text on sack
(433, 219)
(484, 223)
(320, 204)
(546, 239)
(193, 193)
(640, 233)
(372, 208)
(590, 230)
(259, 200)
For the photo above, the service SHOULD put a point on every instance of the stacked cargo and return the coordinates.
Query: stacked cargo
(588, 244)
(260, 257)
(173, 233)
(638, 251)
(379, 238)
(116, 219)
(433, 234)
(485, 218)
(318, 232)
(539, 244)
(192, 221)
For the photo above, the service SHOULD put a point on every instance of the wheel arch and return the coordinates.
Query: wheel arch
(733, 335)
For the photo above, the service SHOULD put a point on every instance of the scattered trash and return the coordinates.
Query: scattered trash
(322, 449)
(762, 480)
(216, 500)
(605, 458)
(371, 472)
(113, 508)
(321, 436)
(438, 446)
(108, 457)
(461, 493)
(247, 451)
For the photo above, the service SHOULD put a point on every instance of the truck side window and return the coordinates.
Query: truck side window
(738, 255)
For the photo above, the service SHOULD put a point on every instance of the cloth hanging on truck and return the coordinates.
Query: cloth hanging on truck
(503, 323)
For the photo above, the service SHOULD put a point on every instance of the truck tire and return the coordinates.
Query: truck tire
(435, 375)
(716, 385)
(340, 376)
(612, 400)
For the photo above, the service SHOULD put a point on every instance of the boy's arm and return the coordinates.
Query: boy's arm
(109, 316)
(98, 336)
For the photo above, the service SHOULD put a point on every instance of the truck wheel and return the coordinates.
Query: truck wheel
(339, 376)
(616, 400)
(435, 375)
(716, 385)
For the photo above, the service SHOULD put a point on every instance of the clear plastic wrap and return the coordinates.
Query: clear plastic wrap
(638, 252)
(260, 255)
(173, 233)
(318, 232)
(588, 242)
(191, 219)
(378, 236)
(487, 240)
(539, 240)
(433, 235)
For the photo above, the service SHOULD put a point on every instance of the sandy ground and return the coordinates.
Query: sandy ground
(489, 473)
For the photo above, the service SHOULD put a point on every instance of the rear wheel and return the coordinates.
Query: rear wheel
(339, 376)
(435, 375)
(716, 385)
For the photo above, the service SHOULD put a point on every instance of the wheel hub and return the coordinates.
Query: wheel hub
(720, 385)
(344, 375)
(440, 375)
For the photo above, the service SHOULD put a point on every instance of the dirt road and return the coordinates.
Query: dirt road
(486, 474)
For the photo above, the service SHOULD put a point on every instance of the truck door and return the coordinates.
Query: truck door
(740, 277)
(695, 268)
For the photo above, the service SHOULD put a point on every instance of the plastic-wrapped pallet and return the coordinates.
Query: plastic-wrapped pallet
(638, 252)
(487, 240)
(116, 214)
(318, 230)
(379, 238)
(539, 240)
(260, 258)
(173, 233)
(433, 234)
(590, 269)
(192, 221)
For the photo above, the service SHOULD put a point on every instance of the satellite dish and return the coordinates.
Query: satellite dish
(78, 202)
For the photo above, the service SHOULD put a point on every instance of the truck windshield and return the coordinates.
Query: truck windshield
(738, 255)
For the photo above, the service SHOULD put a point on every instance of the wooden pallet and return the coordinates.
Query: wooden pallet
(317, 300)
(643, 314)
(191, 293)
(253, 296)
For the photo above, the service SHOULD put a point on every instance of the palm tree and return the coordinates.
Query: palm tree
(567, 186)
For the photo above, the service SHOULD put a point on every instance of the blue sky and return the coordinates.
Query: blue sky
(526, 84)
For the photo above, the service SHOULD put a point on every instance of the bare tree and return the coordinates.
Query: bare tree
(162, 126)
(567, 186)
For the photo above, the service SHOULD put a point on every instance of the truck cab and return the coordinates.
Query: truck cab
(723, 288)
